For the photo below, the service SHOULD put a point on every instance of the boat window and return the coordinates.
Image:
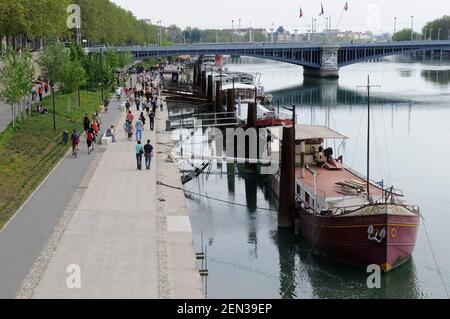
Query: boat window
(298, 190)
(307, 198)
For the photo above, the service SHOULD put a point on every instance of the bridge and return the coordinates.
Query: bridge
(318, 60)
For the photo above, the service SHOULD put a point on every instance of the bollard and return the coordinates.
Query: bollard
(287, 180)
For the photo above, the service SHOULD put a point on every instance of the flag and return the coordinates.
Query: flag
(321, 10)
(301, 13)
(346, 6)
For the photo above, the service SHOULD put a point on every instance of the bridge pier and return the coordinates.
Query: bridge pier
(320, 73)
(329, 67)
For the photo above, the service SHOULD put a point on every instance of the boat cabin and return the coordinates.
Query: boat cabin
(323, 181)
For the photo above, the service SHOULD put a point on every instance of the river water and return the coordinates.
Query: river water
(249, 257)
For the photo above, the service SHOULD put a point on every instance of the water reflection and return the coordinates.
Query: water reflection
(325, 92)
(440, 77)
(251, 258)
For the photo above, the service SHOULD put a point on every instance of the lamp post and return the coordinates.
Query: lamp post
(232, 30)
(412, 28)
(439, 34)
(425, 33)
(431, 32)
(395, 28)
(159, 32)
(239, 31)
(101, 72)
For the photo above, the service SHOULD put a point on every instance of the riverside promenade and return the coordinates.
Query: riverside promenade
(127, 237)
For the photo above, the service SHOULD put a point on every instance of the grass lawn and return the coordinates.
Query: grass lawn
(29, 151)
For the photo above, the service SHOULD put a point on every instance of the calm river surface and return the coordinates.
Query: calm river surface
(248, 257)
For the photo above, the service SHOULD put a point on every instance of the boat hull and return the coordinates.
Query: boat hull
(353, 239)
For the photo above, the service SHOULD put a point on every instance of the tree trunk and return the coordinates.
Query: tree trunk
(68, 102)
(78, 99)
(12, 115)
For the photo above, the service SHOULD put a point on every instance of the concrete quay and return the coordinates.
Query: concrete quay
(128, 237)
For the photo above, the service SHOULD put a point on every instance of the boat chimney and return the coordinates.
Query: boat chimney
(287, 179)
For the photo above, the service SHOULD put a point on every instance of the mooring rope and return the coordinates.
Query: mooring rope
(434, 258)
(213, 198)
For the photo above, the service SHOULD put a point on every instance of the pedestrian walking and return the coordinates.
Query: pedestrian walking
(97, 118)
(152, 120)
(139, 126)
(40, 93)
(106, 105)
(90, 141)
(139, 153)
(148, 153)
(119, 93)
(46, 87)
(86, 123)
(75, 138)
(130, 117)
(143, 120)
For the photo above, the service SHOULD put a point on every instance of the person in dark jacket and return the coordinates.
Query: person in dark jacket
(148, 153)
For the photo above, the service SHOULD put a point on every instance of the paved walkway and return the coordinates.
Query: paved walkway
(22, 240)
(127, 240)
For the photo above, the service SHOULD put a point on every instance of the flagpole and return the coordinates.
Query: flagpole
(340, 17)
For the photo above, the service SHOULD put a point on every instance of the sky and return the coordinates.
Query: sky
(363, 15)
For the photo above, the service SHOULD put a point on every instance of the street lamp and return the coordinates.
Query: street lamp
(395, 27)
(412, 28)
(232, 30)
(239, 31)
(159, 32)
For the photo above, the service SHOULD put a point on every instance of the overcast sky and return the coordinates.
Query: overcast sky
(373, 15)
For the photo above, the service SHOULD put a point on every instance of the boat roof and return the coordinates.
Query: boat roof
(309, 132)
(238, 86)
(327, 179)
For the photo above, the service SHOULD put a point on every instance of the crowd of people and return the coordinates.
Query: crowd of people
(143, 97)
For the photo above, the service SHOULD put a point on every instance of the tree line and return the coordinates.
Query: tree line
(438, 29)
(68, 69)
(25, 21)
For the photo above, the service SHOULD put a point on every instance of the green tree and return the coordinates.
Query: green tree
(405, 35)
(53, 61)
(72, 76)
(15, 78)
(439, 29)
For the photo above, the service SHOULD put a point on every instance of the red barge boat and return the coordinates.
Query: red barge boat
(342, 213)
(336, 214)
